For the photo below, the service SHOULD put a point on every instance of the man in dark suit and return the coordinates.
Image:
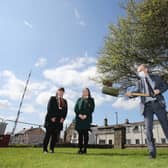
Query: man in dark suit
(56, 114)
(154, 86)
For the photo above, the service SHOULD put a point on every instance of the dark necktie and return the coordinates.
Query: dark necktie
(143, 98)
(151, 91)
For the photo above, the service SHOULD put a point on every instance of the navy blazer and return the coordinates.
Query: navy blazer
(54, 111)
(159, 84)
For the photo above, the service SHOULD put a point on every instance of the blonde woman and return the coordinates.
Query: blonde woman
(84, 108)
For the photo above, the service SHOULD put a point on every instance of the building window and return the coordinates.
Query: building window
(163, 140)
(145, 141)
(74, 135)
(102, 142)
(137, 141)
(136, 129)
(110, 141)
(128, 141)
(128, 129)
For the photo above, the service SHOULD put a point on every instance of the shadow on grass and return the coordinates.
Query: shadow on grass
(105, 154)
(124, 154)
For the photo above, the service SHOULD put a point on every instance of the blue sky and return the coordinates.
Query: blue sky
(60, 41)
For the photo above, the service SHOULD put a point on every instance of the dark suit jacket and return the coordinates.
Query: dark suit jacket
(54, 111)
(159, 84)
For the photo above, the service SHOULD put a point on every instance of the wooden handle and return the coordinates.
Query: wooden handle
(140, 94)
(115, 92)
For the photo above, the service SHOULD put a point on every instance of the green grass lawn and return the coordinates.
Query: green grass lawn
(67, 158)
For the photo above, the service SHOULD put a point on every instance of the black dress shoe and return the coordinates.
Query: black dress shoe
(152, 155)
(80, 152)
(84, 151)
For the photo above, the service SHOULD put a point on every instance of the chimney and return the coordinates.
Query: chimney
(126, 121)
(105, 122)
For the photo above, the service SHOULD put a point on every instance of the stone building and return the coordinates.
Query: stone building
(32, 136)
(135, 133)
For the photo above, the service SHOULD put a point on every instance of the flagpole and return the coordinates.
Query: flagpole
(21, 102)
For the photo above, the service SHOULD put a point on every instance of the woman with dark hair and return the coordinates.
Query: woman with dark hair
(56, 114)
(84, 108)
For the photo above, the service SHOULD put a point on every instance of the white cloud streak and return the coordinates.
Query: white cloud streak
(78, 17)
(28, 24)
(41, 62)
(126, 104)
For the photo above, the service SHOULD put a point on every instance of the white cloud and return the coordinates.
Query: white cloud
(41, 62)
(11, 87)
(78, 17)
(28, 108)
(72, 94)
(4, 104)
(86, 54)
(76, 12)
(82, 23)
(77, 62)
(43, 97)
(76, 72)
(35, 88)
(100, 99)
(126, 104)
(28, 24)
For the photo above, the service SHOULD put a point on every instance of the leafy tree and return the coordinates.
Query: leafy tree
(139, 37)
